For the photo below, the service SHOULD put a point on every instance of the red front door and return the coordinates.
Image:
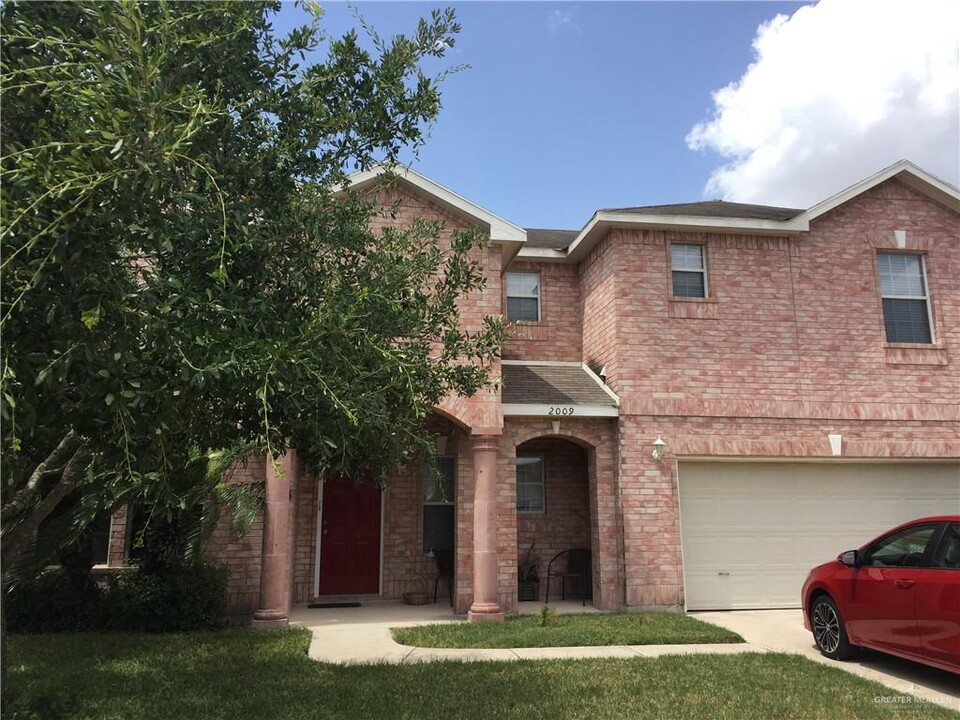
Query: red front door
(350, 537)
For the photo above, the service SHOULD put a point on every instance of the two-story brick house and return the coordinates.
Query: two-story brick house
(711, 397)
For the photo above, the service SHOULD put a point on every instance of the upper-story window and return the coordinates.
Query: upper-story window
(689, 269)
(523, 296)
(906, 306)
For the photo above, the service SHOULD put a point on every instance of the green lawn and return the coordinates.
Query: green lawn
(266, 675)
(651, 628)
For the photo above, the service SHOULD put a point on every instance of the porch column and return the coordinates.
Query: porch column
(275, 559)
(485, 606)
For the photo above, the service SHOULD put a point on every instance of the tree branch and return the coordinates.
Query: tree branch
(16, 540)
(30, 493)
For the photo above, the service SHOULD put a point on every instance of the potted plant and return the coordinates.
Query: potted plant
(528, 577)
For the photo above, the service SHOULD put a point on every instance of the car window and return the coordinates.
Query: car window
(904, 548)
(948, 555)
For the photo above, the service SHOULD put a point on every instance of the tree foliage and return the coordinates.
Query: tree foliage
(181, 267)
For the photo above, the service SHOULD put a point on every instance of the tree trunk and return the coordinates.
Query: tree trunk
(54, 479)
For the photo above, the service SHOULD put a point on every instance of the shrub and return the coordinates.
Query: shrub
(181, 597)
(50, 602)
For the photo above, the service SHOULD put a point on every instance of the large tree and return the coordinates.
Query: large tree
(181, 266)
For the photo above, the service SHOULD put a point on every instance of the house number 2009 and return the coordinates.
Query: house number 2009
(561, 411)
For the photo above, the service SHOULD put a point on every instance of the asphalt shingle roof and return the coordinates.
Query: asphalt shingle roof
(714, 208)
(552, 239)
(552, 385)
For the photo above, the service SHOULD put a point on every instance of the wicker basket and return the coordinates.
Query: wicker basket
(419, 595)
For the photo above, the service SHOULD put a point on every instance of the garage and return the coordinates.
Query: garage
(752, 530)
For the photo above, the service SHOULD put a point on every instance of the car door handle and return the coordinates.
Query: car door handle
(904, 584)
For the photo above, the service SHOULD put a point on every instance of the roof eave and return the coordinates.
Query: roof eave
(903, 170)
(502, 232)
(603, 221)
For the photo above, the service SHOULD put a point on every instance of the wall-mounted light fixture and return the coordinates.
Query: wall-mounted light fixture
(658, 446)
(836, 444)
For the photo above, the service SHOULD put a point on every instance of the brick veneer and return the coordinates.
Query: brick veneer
(788, 348)
(557, 336)
(598, 440)
(241, 555)
(565, 522)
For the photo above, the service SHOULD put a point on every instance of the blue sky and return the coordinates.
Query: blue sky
(571, 107)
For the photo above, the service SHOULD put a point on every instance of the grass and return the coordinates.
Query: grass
(266, 675)
(651, 628)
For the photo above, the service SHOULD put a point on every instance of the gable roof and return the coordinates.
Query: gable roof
(510, 236)
(906, 172)
(741, 218)
(552, 239)
(714, 208)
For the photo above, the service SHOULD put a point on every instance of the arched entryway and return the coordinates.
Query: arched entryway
(553, 508)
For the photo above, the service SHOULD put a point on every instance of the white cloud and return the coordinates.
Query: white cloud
(558, 20)
(836, 92)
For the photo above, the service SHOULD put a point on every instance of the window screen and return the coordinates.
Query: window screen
(906, 313)
(689, 270)
(523, 296)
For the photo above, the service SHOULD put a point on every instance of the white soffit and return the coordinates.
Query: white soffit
(603, 221)
(904, 171)
(502, 231)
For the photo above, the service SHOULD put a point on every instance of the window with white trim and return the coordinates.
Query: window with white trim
(523, 296)
(530, 491)
(689, 269)
(439, 514)
(906, 305)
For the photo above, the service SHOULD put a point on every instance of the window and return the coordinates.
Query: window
(99, 531)
(530, 485)
(905, 548)
(439, 516)
(948, 556)
(523, 296)
(689, 270)
(903, 287)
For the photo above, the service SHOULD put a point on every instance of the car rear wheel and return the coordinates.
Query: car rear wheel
(828, 630)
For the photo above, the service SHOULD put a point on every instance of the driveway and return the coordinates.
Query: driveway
(783, 631)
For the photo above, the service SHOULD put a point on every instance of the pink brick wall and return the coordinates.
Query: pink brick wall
(565, 523)
(598, 440)
(788, 319)
(118, 542)
(240, 555)
(401, 206)
(306, 505)
(648, 489)
(557, 336)
(788, 348)
(599, 308)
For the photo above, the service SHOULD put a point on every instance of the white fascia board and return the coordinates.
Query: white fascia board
(601, 383)
(543, 363)
(603, 221)
(532, 410)
(904, 170)
(710, 224)
(500, 230)
(541, 254)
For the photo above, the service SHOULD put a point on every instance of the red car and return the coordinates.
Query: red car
(899, 593)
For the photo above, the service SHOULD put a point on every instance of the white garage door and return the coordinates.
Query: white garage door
(752, 531)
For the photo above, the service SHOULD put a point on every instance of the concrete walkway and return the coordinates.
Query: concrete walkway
(362, 635)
